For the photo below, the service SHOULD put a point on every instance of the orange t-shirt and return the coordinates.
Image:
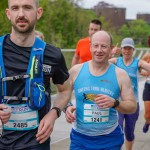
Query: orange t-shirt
(83, 50)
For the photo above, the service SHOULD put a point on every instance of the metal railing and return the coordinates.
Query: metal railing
(138, 52)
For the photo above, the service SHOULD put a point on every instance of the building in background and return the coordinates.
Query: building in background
(145, 17)
(116, 16)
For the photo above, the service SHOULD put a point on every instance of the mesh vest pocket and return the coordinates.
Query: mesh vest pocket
(37, 94)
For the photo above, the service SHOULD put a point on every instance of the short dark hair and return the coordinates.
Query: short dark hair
(97, 22)
(36, 1)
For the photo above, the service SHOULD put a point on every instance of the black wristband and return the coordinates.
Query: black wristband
(58, 111)
(116, 103)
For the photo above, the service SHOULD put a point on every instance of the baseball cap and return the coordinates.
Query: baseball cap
(127, 42)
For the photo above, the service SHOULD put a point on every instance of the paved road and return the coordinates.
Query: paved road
(60, 136)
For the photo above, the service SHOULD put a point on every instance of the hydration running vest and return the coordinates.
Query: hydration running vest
(34, 85)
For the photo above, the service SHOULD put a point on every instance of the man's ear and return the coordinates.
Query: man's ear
(112, 46)
(39, 12)
(90, 45)
(7, 13)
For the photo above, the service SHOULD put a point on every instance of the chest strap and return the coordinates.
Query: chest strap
(13, 78)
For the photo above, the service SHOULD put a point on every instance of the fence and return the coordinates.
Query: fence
(139, 52)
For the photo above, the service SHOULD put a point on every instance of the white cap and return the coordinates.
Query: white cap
(127, 42)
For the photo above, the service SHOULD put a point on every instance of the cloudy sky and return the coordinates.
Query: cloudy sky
(132, 6)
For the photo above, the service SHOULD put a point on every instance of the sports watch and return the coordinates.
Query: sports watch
(116, 103)
(58, 111)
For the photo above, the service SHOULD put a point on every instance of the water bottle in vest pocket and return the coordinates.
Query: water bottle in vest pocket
(37, 94)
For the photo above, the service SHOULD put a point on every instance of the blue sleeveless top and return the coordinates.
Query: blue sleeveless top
(90, 119)
(132, 71)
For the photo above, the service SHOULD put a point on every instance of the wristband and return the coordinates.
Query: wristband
(58, 111)
(116, 103)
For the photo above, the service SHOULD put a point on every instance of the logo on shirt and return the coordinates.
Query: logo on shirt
(46, 68)
(89, 97)
(103, 80)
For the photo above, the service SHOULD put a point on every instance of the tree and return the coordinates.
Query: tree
(5, 26)
(138, 30)
(63, 22)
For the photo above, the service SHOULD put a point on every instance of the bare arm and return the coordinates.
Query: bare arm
(47, 123)
(113, 60)
(75, 60)
(144, 65)
(127, 103)
(115, 50)
(70, 116)
(63, 95)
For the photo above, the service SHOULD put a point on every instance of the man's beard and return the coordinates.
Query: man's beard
(26, 29)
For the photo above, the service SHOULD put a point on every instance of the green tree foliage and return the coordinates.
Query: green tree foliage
(138, 30)
(63, 22)
(5, 26)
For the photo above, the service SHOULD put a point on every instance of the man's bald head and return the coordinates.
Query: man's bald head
(102, 35)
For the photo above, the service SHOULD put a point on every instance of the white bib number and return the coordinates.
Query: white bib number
(22, 118)
(92, 113)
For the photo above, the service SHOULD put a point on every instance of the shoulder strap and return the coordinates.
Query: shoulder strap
(35, 63)
(2, 69)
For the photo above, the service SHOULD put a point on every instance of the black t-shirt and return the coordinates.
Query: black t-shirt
(16, 61)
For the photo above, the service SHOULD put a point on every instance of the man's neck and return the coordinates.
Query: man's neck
(23, 40)
(98, 69)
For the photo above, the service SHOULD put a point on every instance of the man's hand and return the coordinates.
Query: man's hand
(46, 126)
(104, 101)
(70, 116)
(5, 113)
(115, 50)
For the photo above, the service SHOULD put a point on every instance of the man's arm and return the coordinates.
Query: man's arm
(144, 65)
(69, 111)
(75, 60)
(115, 50)
(47, 123)
(128, 103)
(113, 60)
(63, 95)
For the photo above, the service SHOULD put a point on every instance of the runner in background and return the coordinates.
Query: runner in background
(146, 94)
(132, 66)
(82, 53)
(39, 34)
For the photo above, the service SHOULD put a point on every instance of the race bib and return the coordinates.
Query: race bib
(22, 118)
(93, 114)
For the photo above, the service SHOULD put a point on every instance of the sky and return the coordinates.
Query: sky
(132, 6)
